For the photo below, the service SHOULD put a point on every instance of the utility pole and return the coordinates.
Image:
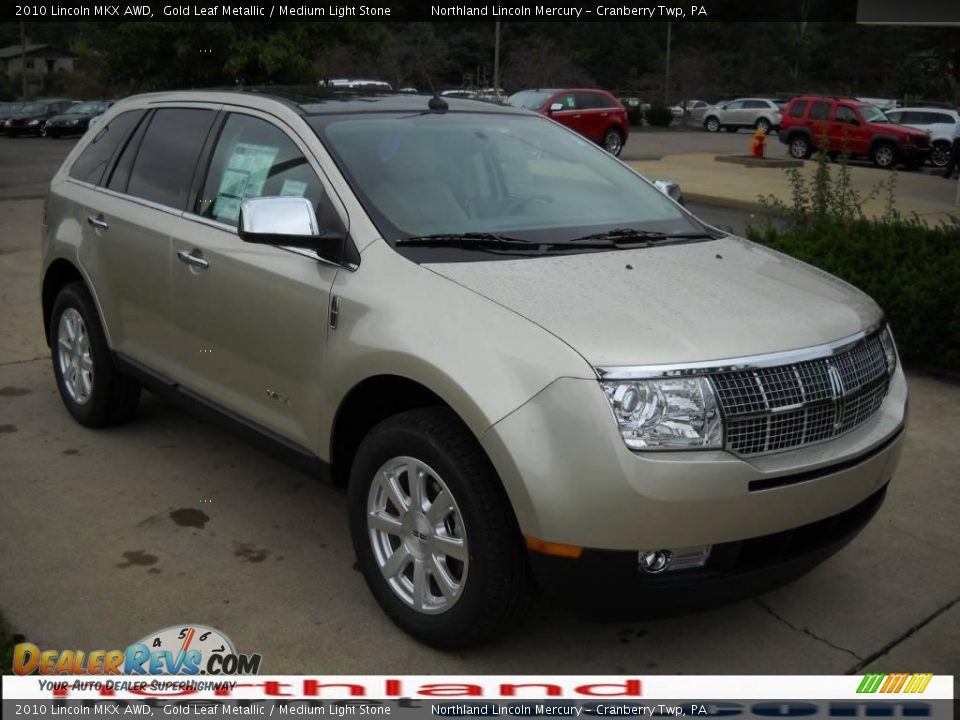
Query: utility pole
(496, 61)
(23, 58)
(666, 80)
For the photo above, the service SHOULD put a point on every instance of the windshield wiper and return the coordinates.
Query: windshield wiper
(627, 235)
(467, 240)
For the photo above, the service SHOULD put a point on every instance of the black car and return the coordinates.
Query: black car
(76, 119)
(9, 109)
(31, 117)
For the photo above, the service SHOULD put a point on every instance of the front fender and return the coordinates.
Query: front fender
(398, 318)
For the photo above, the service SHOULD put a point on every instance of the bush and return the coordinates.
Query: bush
(659, 116)
(910, 269)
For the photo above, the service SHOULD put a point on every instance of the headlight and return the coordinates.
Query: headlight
(666, 414)
(889, 349)
(33, 122)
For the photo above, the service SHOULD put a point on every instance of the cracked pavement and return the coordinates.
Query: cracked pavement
(106, 536)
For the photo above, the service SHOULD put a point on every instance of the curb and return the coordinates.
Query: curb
(720, 201)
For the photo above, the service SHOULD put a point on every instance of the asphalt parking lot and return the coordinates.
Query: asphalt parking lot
(106, 536)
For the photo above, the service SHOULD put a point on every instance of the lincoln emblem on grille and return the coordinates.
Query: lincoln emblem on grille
(836, 382)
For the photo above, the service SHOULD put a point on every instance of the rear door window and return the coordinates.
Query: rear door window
(164, 166)
(820, 111)
(254, 158)
(96, 156)
(798, 109)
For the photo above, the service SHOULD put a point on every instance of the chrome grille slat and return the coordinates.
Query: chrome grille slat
(779, 408)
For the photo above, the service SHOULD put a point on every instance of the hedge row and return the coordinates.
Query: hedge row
(911, 269)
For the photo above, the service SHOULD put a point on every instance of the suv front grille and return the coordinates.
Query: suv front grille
(784, 407)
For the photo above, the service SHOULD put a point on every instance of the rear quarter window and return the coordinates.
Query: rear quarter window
(96, 156)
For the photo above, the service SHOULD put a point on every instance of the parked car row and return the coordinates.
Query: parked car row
(50, 118)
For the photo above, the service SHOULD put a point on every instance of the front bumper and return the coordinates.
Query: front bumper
(571, 479)
(22, 129)
(915, 154)
(611, 583)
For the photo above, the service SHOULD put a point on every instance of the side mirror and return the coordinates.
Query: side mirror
(290, 222)
(556, 107)
(671, 189)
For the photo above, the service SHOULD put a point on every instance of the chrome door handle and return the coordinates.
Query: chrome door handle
(577, 115)
(194, 260)
(98, 222)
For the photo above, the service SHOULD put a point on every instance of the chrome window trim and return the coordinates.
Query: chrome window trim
(748, 362)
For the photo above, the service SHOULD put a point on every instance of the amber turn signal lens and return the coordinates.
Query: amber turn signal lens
(549, 548)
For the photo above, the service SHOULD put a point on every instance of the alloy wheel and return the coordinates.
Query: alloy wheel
(798, 148)
(940, 155)
(74, 356)
(713, 124)
(417, 535)
(613, 143)
(883, 156)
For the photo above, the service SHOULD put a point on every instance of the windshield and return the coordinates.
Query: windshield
(529, 99)
(873, 114)
(33, 109)
(86, 108)
(511, 175)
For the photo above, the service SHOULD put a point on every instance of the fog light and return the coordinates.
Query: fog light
(654, 561)
(657, 561)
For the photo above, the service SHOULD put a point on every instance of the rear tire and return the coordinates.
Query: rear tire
(398, 537)
(95, 392)
(941, 154)
(613, 141)
(800, 147)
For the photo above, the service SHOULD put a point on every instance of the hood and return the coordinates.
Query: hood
(67, 117)
(679, 303)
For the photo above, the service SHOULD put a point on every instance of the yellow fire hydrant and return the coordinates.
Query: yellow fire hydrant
(759, 143)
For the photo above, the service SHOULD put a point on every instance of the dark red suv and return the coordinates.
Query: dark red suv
(852, 126)
(595, 114)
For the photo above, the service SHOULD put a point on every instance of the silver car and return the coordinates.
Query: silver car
(939, 123)
(526, 364)
(759, 113)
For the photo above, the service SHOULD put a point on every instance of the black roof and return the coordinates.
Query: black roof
(328, 100)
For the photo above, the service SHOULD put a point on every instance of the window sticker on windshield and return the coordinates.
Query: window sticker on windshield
(244, 177)
(293, 187)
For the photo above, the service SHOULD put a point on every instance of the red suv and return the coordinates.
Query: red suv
(858, 128)
(595, 114)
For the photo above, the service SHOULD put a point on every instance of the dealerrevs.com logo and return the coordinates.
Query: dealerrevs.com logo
(177, 650)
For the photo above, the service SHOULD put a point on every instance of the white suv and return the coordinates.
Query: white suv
(937, 122)
(759, 113)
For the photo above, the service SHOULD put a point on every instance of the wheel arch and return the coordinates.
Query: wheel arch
(59, 274)
(883, 138)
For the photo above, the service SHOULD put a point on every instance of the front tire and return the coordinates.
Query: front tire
(711, 124)
(94, 391)
(884, 156)
(763, 124)
(434, 534)
(613, 141)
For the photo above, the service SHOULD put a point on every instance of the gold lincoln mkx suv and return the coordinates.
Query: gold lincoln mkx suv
(526, 364)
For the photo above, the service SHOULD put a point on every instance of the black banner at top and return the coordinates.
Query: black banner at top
(424, 10)
(931, 12)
